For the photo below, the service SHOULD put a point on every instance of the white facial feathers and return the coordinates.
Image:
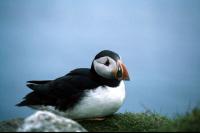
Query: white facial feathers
(105, 66)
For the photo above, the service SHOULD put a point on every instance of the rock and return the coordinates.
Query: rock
(44, 121)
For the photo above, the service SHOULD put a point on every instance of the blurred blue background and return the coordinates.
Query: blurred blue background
(158, 40)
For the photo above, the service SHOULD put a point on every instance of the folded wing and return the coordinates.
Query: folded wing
(63, 93)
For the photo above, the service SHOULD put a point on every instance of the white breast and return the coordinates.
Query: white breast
(100, 102)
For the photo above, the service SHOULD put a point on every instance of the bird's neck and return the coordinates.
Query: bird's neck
(103, 81)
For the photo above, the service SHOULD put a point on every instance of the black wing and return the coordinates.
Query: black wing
(63, 93)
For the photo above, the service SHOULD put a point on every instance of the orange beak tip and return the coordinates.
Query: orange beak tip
(125, 73)
(127, 78)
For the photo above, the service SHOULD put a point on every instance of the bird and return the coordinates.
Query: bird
(83, 93)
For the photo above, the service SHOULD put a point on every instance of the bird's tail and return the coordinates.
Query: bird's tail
(32, 98)
(39, 81)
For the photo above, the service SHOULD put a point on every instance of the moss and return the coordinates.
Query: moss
(126, 122)
(10, 125)
(145, 122)
(190, 122)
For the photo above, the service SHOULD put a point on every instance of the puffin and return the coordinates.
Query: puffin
(83, 93)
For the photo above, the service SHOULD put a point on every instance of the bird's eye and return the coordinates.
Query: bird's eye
(107, 63)
(119, 72)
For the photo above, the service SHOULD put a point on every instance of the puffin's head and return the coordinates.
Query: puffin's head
(108, 64)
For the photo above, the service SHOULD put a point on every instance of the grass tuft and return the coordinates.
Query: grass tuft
(190, 122)
(126, 122)
(145, 122)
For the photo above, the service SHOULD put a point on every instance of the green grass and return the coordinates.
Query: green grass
(190, 122)
(144, 122)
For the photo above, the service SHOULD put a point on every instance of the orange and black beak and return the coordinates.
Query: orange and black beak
(121, 72)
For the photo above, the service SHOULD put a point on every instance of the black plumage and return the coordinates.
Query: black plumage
(65, 92)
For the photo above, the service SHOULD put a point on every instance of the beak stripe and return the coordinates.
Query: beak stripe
(125, 72)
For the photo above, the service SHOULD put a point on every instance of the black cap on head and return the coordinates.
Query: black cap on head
(109, 53)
